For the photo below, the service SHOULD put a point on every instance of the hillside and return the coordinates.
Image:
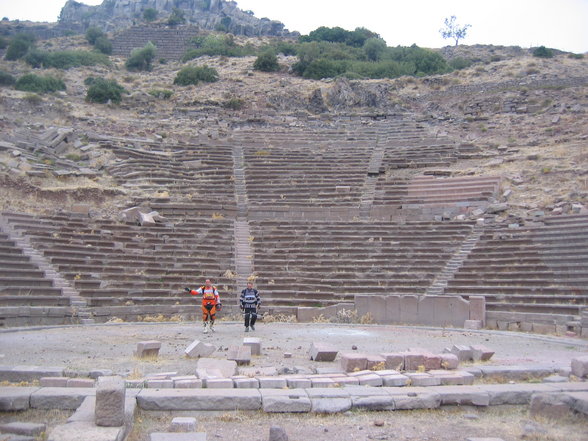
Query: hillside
(526, 115)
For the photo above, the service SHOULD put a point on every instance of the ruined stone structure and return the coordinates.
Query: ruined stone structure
(318, 211)
(205, 14)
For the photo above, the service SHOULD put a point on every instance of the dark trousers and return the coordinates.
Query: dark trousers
(250, 316)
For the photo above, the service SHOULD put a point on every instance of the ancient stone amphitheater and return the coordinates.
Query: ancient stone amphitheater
(353, 212)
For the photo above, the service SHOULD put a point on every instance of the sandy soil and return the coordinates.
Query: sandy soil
(111, 346)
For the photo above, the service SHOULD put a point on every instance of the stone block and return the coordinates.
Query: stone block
(472, 324)
(89, 430)
(148, 348)
(322, 382)
(198, 349)
(95, 373)
(375, 402)
(449, 361)
(352, 361)
(375, 362)
(254, 343)
(225, 368)
(413, 361)
(395, 380)
(28, 373)
(415, 398)
(345, 381)
(183, 424)
(285, 401)
(518, 373)
(432, 361)
(423, 379)
(240, 354)
(134, 384)
(481, 353)
(462, 395)
(299, 383)
(329, 400)
(19, 428)
(160, 384)
(550, 405)
(394, 360)
(53, 381)
(246, 383)
(463, 353)
(580, 366)
(454, 377)
(188, 384)
(80, 382)
(219, 383)
(199, 399)
(63, 398)
(164, 436)
(277, 433)
(370, 380)
(322, 352)
(110, 402)
(272, 383)
(478, 308)
(501, 394)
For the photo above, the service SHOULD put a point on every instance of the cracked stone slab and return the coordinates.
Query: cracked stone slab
(199, 399)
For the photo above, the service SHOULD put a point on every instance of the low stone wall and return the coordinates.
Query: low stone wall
(421, 310)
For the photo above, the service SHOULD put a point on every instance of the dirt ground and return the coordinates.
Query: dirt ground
(111, 346)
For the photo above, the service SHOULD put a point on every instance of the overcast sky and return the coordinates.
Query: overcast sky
(560, 24)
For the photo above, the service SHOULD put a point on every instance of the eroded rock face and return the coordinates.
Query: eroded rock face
(207, 14)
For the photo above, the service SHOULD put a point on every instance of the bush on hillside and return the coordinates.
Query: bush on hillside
(162, 94)
(141, 59)
(64, 59)
(39, 84)
(19, 46)
(103, 45)
(267, 62)
(223, 45)
(150, 14)
(193, 75)
(94, 33)
(460, 63)
(101, 91)
(374, 49)
(176, 17)
(3, 43)
(6, 79)
(542, 52)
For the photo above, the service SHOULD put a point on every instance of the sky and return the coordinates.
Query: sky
(560, 24)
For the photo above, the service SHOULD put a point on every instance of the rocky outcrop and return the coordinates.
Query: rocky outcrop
(206, 14)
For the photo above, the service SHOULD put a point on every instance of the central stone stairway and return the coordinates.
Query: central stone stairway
(243, 253)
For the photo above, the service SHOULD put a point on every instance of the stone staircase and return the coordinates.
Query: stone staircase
(240, 187)
(50, 272)
(454, 264)
(369, 190)
(243, 253)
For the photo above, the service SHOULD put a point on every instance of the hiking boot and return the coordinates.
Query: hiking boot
(211, 327)
(205, 331)
(246, 328)
(252, 328)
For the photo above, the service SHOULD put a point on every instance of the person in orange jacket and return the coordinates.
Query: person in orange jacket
(210, 303)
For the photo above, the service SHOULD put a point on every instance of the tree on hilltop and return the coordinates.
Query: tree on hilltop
(453, 30)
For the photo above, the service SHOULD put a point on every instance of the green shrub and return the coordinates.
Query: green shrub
(356, 38)
(150, 14)
(223, 45)
(286, 48)
(176, 17)
(234, 103)
(6, 79)
(193, 75)
(19, 46)
(163, 94)
(94, 33)
(103, 45)
(101, 90)
(39, 84)
(542, 52)
(266, 62)
(33, 98)
(576, 56)
(65, 59)
(141, 59)
(460, 63)
(3, 43)
(374, 48)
